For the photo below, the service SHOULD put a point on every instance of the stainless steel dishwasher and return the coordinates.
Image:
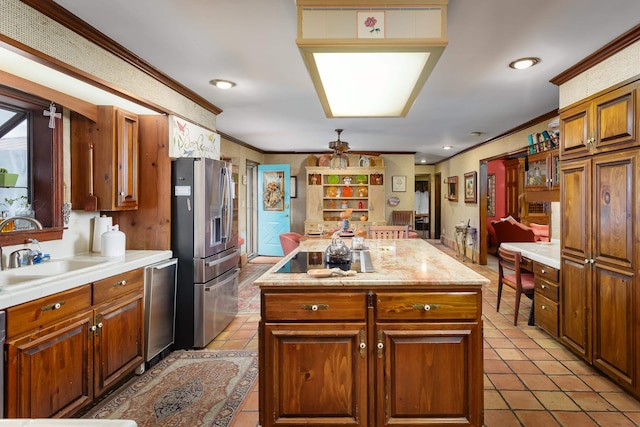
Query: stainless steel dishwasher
(160, 309)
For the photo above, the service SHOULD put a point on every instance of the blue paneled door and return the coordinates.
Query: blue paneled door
(274, 211)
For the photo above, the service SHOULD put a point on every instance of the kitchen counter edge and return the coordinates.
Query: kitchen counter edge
(12, 295)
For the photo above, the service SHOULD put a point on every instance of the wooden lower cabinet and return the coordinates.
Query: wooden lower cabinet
(366, 359)
(67, 349)
(119, 340)
(48, 371)
(318, 372)
(546, 299)
(428, 374)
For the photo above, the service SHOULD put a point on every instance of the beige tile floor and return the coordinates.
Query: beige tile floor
(529, 378)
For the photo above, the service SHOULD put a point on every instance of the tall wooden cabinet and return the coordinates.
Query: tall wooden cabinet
(600, 310)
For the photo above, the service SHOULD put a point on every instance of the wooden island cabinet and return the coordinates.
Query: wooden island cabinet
(400, 346)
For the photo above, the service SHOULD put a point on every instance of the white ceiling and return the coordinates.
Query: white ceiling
(274, 106)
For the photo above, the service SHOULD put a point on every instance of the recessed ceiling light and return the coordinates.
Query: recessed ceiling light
(476, 133)
(423, 161)
(447, 147)
(222, 84)
(523, 63)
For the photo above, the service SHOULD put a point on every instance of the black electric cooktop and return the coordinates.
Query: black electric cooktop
(304, 261)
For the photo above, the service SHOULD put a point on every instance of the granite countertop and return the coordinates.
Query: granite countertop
(547, 253)
(20, 285)
(396, 262)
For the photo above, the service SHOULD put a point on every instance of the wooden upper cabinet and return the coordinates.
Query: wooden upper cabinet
(603, 124)
(115, 159)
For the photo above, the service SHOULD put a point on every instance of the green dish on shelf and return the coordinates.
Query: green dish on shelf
(333, 179)
(361, 179)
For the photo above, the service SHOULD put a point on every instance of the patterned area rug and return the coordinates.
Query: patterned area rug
(187, 388)
(248, 294)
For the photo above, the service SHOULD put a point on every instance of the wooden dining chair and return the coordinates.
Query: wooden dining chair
(510, 274)
(402, 218)
(387, 232)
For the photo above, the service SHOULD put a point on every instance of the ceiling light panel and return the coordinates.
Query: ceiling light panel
(370, 58)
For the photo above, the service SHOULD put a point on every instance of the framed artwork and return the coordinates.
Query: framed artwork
(470, 194)
(293, 182)
(273, 191)
(452, 186)
(491, 195)
(399, 183)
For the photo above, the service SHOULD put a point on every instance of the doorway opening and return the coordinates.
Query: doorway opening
(252, 210)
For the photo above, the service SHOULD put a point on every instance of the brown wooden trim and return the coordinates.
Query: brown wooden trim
(77, 74)
(87, 109)
(22, 237)
(599, 56)
(75, 24)
(546, 116)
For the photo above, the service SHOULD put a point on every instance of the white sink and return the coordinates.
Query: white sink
(51, 268)
(6, 279)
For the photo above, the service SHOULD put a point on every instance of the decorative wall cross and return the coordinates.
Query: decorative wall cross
(51, 112)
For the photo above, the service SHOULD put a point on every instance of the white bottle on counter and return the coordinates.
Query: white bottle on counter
(113, 243)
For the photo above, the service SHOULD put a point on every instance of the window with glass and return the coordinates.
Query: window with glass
(30, 167)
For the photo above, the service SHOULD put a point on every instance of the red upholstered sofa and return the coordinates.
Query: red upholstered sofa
(512, 231)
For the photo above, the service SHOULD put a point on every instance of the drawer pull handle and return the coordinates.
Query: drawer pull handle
(544, 307)
(542, 271)
(315, 307)
(544, 286)
(54, 306)
(120, 283)
(426, 307)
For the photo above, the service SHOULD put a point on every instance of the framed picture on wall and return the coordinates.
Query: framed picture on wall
(470, 194)
(399, 183)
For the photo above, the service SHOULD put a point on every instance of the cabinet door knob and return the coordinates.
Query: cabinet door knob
(54, 306)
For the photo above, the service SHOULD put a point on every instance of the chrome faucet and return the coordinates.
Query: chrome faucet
(37, 224)
(15, 259)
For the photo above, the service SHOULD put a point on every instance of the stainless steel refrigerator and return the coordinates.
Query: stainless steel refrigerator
(204, 238)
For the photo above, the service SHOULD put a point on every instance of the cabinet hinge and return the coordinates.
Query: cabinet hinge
(370, 299)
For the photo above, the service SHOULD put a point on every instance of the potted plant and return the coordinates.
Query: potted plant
(7, 179)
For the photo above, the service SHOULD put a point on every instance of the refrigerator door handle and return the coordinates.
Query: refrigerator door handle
(223, 197)
(221, 260)
(225, 281)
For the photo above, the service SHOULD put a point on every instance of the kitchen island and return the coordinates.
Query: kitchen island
(401, 345)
